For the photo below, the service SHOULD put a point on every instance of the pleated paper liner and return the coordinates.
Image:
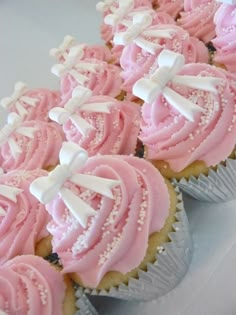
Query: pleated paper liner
(83, 305)
(218, 186)
(172, 261)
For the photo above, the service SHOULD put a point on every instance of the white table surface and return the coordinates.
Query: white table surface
(28, 29)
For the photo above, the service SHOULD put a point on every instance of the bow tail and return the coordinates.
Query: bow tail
(99, 185)
(14, 148)
(81, 124)
(201, 83)
(2, 212)
(80, 78)
(79, 209)
(147, 45)
(21, 110)
(27, 131)
(183, 105)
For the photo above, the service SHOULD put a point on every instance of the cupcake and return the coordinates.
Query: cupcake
(99, 76)
(117, 225)
(99, 124)
(23, 219)
(188, 125)
(197, 18)
(145, 42)
(98, 52)
(30, 285)
(31, 104)
(225, 40)
(30, 144)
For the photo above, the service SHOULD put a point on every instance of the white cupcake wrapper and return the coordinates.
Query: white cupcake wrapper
(173, 260)
(219, 185)
(83, 304)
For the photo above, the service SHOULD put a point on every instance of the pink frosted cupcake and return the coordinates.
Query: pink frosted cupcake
(225, 41)
(188, 126)
(98, 52)
(99, 124)
(111, 217)
(197, 18)
(23, 219)
(145, 42)
(30, 144)
(99, 76)
(31, 104)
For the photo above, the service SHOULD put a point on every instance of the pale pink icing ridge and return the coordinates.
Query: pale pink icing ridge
(136, 62)
(40, 151)
(115, 132)
(29, 285)
(225, 41)
(172, 7)
(197, 18)
(116, 238)
(46, 100)
(105, 80)
(209, 138)
(24, 223)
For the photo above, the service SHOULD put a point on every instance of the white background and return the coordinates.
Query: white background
(28, 29)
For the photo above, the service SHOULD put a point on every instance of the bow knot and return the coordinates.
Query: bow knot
(76, 105)
(72, 158)
(139, 32)
(62, 50)
(170, 64)
(17, 97)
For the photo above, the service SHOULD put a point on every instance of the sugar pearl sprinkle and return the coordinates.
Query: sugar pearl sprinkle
(109, 249)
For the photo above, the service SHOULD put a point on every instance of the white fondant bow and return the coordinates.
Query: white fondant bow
(77, 104)
(14, 122)
(10, 193)
(232, 2)
(170, 64)
(73, 65)
(17, 97)
(139, 31)
(62, 50)
(119, 14)
(72, 158)
(105, 5)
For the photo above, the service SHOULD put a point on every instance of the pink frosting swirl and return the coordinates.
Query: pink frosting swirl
(172, 7)
(209, 138)
(114, 133)
(197, 18)
(29, 285)
(136, 62)
(105, 80)
(225, 41)
(46, 100)
(24, 222)
(41, 151)
(116, 238)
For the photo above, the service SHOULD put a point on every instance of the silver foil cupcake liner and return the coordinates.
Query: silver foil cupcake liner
(172, 261)
(218, 186)
(83, 304)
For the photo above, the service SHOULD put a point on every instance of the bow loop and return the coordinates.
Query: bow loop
(72, 158)
(170, 64)
(118, 15)
(63, 48)
(105, 5)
